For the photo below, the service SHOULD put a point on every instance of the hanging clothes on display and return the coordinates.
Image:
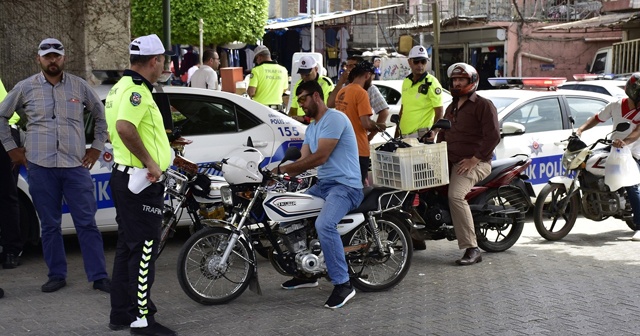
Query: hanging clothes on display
(305, 39)
(343, 37)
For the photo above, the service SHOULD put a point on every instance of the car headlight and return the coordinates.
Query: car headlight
(227, 197)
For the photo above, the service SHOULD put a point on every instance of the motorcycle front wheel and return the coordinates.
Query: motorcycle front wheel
(200, 274)
(552, 223)
(501, 237)
(379, 268)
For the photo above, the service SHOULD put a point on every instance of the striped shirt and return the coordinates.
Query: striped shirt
(55, 134)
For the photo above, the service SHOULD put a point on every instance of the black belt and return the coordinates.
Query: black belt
(123, 168)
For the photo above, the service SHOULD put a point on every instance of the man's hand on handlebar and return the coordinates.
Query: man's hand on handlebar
(618, 143)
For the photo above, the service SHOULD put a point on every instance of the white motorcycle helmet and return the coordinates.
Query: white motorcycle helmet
(243, 166)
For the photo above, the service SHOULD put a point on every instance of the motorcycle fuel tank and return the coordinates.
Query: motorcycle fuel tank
(596, 163)
(289, 206)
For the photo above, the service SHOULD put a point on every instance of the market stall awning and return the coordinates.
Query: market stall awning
(603, 21)
(306, 19)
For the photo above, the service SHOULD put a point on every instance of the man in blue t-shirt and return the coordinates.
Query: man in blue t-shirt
(329, 144)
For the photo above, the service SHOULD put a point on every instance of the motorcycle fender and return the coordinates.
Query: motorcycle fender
(562, 180)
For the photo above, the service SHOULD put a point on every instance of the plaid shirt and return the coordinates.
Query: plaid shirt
(55, 119)
(376, 99)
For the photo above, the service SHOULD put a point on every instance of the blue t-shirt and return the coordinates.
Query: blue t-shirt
(343, 165)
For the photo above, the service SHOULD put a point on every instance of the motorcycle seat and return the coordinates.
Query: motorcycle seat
(370, 200)
(499, 166)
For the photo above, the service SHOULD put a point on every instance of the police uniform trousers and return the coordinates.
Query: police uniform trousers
(139, 218)
(10, 238)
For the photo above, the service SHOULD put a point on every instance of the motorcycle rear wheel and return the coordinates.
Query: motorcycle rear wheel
(197, 275)
(547, 217)
(498, 239)
(377, 272)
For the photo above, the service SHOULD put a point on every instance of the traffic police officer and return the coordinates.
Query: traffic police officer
(268, 80)
(308, 70)
(421, 97)
(139, 141)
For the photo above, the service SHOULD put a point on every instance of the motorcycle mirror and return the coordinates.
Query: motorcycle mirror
(623, 126)
(573, 121)
(292, 154)
(395, 119)
(442, 123)
(249, 142)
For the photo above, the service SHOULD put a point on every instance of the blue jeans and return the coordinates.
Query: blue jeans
(47, 187)
(634, 198)
(339, 200)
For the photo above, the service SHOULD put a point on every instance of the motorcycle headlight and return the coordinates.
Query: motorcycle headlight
(568, 157)
(227, 197)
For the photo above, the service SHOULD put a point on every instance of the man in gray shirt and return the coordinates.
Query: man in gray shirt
(57, 161)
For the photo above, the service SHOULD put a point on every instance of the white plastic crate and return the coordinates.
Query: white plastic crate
(418, 167)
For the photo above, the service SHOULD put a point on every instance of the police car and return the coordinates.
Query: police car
(611, 87)
(532, 120)
(215, 121)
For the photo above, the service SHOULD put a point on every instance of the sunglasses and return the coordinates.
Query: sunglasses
(422, 61)
(48, 46)
(303, 98)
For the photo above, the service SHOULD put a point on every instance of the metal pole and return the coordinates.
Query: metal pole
(201, 29)
(166, 30)
(313, 31)
(435, 53)
(377, 27)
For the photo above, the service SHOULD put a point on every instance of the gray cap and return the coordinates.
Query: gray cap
(50, 45)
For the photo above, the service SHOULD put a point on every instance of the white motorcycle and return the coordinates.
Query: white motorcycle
(218, 263)
(581, 187)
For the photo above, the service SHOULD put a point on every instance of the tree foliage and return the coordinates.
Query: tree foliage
(224, 20)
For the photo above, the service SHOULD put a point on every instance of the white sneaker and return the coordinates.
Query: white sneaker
(636, 236)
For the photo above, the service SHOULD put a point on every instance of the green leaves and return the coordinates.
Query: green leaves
(224, 20)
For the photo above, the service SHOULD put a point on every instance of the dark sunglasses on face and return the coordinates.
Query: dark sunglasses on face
(422, 61)
(48, 46)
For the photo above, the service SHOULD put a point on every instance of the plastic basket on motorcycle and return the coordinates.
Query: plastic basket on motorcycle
(413, 168)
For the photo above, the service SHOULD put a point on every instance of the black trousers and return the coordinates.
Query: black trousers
(9, 207)
(139, 218)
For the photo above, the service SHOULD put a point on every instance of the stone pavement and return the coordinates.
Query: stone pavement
(586, 284)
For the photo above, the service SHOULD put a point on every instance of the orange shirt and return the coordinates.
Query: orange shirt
(353, 100)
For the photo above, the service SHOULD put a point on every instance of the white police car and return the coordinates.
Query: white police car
(611, 87)
(215, 121)
(532, 121)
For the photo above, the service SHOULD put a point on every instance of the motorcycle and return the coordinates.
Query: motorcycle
(188, 187)
(217, 264)
(498, 203)
(582, 187)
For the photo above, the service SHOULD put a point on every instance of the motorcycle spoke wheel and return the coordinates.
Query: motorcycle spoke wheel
(378, 269)
(200, 274)
(494, 237)
(552, 223)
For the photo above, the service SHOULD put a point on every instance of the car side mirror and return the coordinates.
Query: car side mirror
(512, 128)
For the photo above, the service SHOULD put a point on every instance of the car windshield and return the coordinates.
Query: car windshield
(501, 102)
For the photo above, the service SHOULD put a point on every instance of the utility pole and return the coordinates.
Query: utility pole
(166, 30)
(435, 52)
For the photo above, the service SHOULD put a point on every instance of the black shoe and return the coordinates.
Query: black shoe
(340, 295)
(471, 256)
(103, 285)
(116, 327)
(1, 293)
(11, 261)
(155, 329)
(297, 283)
(53, 285)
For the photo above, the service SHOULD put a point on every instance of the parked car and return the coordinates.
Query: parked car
(613, 88)
(215, 121)
(533, 121)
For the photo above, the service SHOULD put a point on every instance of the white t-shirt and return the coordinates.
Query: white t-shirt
(190, 72)
(205, 78)
(614, 111)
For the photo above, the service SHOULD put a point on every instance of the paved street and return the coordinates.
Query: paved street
(586, 284)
